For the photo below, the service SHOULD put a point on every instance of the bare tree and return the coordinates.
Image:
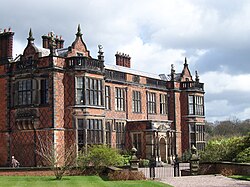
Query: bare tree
(55, 155)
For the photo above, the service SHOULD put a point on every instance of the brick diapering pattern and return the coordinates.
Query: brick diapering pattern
(3, 104)
(23, 147)
(58, 100)
(69, 99)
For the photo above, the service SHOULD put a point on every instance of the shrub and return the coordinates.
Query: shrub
(243, 156)
(126, 175)
(225, 149)
(144, 163)
(126, 160)
(99, 156)
(186, 156)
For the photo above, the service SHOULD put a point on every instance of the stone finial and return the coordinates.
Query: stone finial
(134, 161)
(172, 72)
(53, 44)
(100, 53)
(30, 38)
(185, 62)
(197, 76)
(79, 31)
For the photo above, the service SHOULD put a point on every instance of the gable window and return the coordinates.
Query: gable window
(107, 98)
(196, 105)
(151, 102)
(136, 102)
(24, 92)
(44, 92)
(120, 99)
(163, 104)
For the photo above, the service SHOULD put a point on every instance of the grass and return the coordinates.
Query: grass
(69, 181)
(240, 177)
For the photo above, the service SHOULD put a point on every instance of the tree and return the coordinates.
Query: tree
(59, 158)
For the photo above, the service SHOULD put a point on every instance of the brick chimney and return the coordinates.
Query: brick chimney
(47, 41)
(123, 60)
(6, 44)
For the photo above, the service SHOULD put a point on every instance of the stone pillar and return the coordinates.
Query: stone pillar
(194, 161)
(134, 162)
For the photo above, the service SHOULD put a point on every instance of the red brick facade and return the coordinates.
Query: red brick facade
(66, 96)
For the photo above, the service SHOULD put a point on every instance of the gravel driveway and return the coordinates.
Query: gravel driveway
(205, 181)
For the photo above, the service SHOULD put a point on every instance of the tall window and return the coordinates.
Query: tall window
(163, 104)
(120, 99)
(197, 136)
(120, 134)
(90, 131)
(151, 102)
(108, 132)
(79, 91)
(44, 92)
(81, 134)
(136, 102)
(24, 92)
(107, 98)
(88, 91)
(94, 131)
(199, 108)
(196, 105)
(93, 92)
(137, 141)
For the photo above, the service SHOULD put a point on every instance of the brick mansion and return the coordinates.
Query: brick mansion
(65, 95)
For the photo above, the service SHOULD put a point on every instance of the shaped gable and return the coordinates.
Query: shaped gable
(186, 75)
(78, 47)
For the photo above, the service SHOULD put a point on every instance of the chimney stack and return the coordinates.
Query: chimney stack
(6, 45)
(47, 41)
(123, 60)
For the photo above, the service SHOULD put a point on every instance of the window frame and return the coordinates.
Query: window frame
(151, 103)
(107, 97)
(136, 102)
(120, 98)
(24, 91)
(163, 104)
(196, 105)
(88, 91)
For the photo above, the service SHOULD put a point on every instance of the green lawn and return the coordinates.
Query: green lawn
(71, 181)
(241, 177)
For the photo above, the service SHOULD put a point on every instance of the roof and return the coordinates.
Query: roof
(132, 71)
(62, 52)
(43, 51)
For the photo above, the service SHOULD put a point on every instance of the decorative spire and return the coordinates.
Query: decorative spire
(30, 38)
(185, 62)
(100, 53)
(79, 31)
(197, 76)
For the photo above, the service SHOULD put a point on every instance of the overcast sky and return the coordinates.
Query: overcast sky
(214, 35)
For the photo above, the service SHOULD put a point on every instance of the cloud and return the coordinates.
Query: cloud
(221, 82)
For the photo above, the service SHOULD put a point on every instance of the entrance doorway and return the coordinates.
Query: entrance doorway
(163, 150)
